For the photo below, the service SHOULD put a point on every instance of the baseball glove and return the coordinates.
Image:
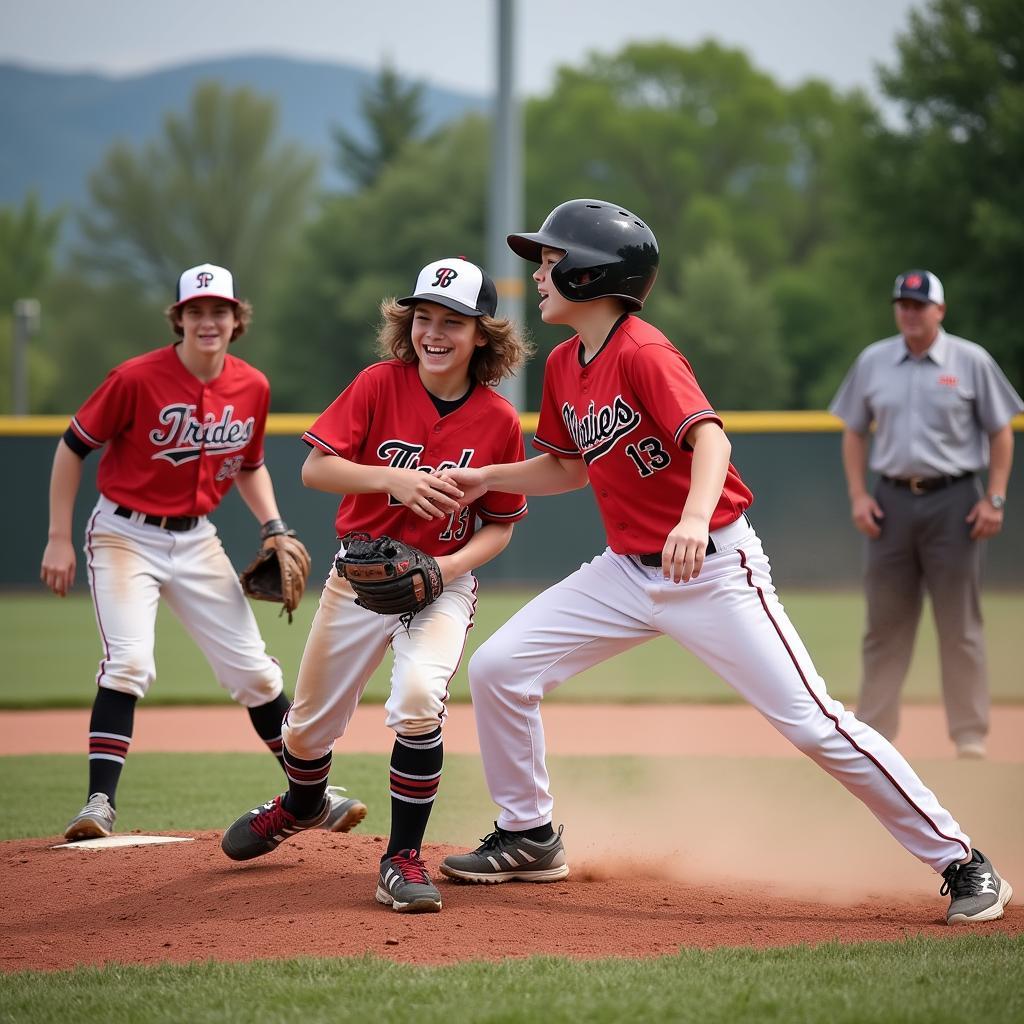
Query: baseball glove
(279, 572)
(389, 576)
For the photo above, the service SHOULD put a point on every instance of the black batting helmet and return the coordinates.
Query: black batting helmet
(608, 251)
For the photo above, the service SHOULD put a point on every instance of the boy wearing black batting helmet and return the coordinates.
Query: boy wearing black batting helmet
(622, 411)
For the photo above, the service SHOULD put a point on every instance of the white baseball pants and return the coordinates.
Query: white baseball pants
(346, 644)
(131, 566)
(729, 617)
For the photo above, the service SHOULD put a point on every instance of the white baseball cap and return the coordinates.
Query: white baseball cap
(206, 282)
(457, 284)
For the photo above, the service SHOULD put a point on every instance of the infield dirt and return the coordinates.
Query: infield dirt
(739, 845)
(186, 902)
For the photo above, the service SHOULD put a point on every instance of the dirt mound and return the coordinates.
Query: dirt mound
(314, 897)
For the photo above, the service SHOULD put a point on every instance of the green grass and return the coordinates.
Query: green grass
(45, 790)
(970, 978)
(171, 792)
(53, 648)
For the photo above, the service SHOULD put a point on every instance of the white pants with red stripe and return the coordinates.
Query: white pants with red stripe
(346, 644)
(729, 617)
(133, 566)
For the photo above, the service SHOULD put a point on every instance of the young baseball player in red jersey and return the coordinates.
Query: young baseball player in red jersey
(623, 411)
(380, 445)
(180, 425)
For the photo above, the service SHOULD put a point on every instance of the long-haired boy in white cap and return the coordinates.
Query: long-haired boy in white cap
(430, 405)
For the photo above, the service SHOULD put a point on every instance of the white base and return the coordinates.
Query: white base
(110, 842)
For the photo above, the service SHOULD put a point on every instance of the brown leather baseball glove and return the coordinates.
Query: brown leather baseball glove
(279, 572)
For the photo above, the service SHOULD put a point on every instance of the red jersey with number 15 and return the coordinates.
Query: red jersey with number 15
(625, 413)
(174, 444)
(386, 418)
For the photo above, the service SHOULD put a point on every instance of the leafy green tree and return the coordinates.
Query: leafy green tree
(369, 245)
(217, 186)
(89, 327)
(944, 189)
(728, 329)
(742, 180)
(393, 112)
(28, 237)
(712, 152)
(733, 171)
(27, 240)
(821, 327)
(698, 141)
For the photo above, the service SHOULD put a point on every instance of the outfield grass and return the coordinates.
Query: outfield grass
(671, 801)
(52, 650)
(971, 978)
(190, 792)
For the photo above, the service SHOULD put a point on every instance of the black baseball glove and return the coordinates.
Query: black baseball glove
(389, 576)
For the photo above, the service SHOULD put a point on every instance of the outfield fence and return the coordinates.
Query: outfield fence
(790, 460)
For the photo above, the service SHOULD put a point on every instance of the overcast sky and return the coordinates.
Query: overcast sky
(451, 42)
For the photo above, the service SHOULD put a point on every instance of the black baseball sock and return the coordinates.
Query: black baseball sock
(110, 735)
(415, 775)
(307, 784)
(539, 834)
(266, 720)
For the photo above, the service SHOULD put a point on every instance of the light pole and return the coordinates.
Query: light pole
(26, 324)
(505, 207)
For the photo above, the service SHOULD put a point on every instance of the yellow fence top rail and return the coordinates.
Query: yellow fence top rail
(295, 423)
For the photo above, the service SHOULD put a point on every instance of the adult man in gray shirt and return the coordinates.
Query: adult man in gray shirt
(942, 412)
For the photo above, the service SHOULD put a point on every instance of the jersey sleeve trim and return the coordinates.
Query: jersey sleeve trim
(76, 444)
(566, 453)
(683, 428)
(83, 435)
(317, 442)
(503, 517)
(248, 467)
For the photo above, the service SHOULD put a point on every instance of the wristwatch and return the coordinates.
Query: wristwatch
(997, 501)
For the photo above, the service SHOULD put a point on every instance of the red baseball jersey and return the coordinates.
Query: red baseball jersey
(385, 417)
(174, 444)
(625, 413)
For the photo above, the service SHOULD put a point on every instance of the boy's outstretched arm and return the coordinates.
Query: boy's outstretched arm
(543, 474)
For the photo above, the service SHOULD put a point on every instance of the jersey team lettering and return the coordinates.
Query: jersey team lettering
(184, 438)
(596, 432)
(405, 455)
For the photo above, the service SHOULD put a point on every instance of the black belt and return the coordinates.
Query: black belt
(176, 524)
(653, 560)
(924, 484)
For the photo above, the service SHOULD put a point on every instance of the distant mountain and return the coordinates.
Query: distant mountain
(55, 128)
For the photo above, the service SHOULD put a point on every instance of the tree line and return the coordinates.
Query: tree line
(783, 214)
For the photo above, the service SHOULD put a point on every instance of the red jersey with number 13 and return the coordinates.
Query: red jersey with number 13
(174, 444)
(625, 413)
(386, 418)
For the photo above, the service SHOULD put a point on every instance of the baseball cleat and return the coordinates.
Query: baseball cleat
(405, 886)
(94, 821)
(345, 812)
(509, 857)
(265, 828)
(976, 891)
